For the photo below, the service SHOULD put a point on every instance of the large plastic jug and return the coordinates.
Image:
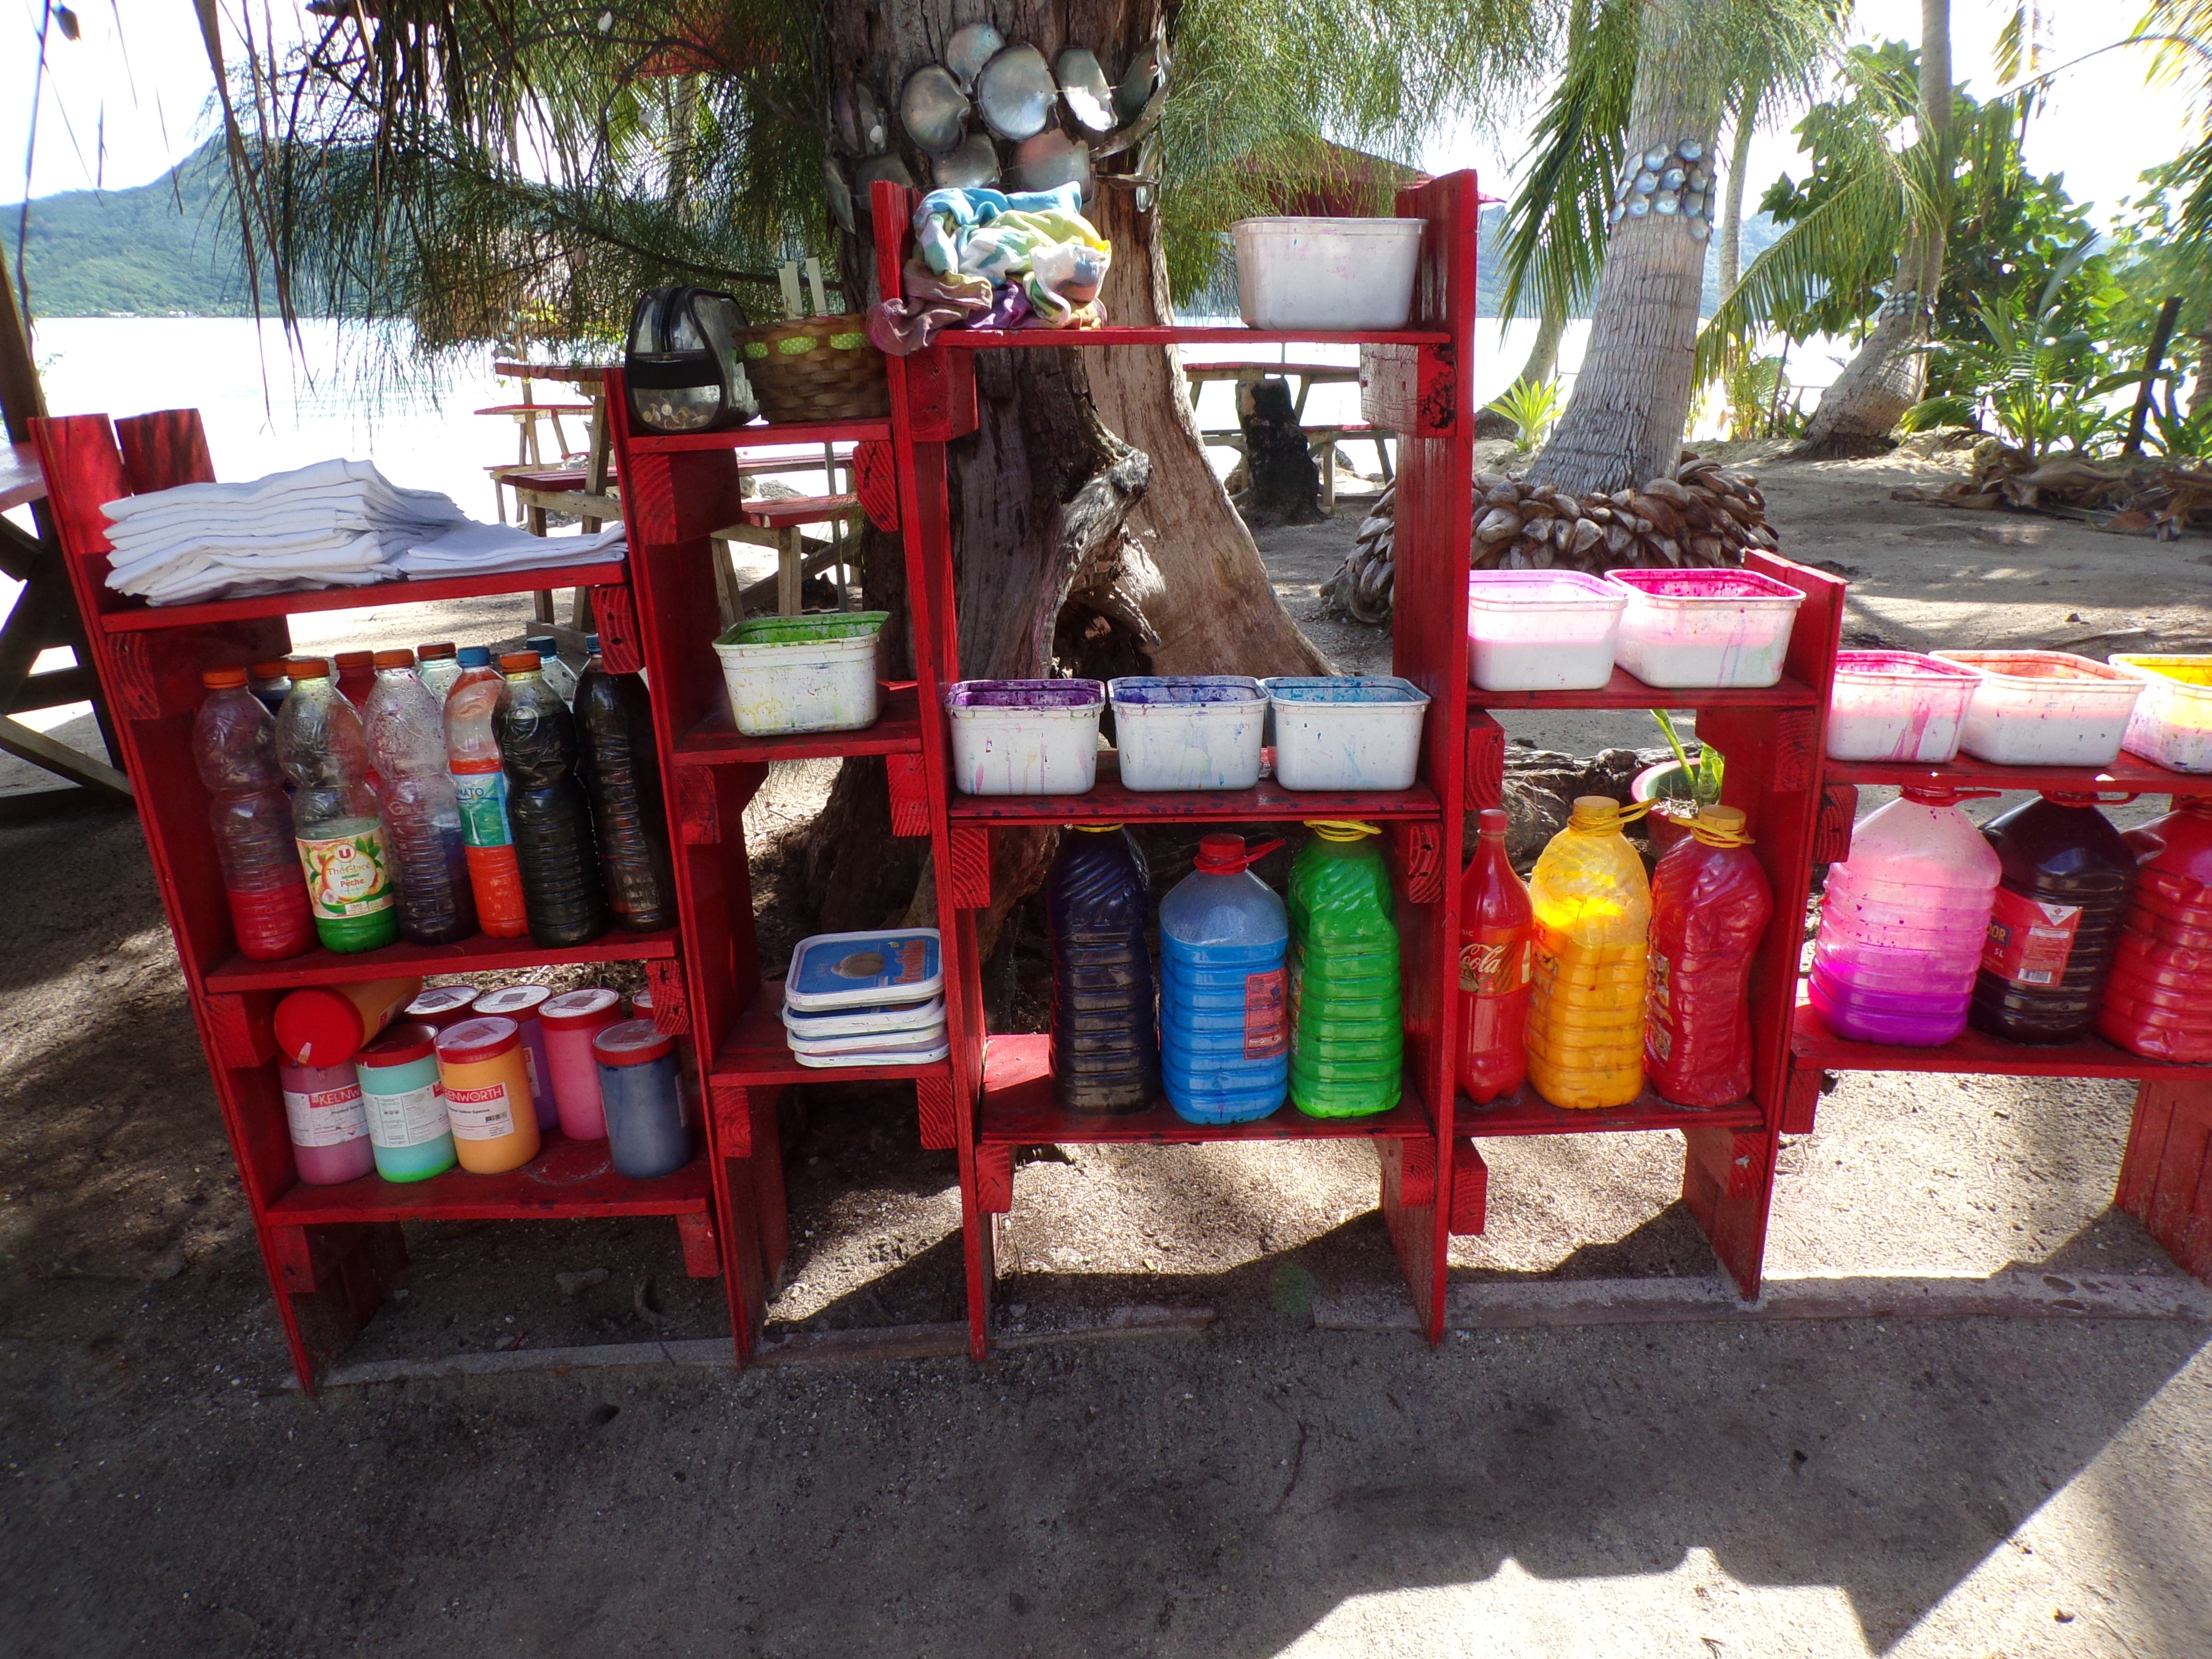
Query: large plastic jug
(1225, 1027)
(1495, 926)
(2156, 1003)
(1105, 1056)
(1347, 1018)
(1710, 904)
(1902, 921)
(2067, 876)
(472, 761)
(620, 763)
(1593, 908)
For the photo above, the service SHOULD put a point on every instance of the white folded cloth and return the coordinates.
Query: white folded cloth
(472, 547)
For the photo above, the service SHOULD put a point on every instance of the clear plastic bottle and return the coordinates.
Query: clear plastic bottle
(2067, 877)
(234, 747)
(558, 674)
(1347, 1018)
(1225, 1017)
(422, 816)
(547, 806)
(1496, 925)
(1710, 903)
(1903, 923)
(336, 823)
(439, 665)
(1593, 909)
(1105, 1055)
(480, 787)
(271, 683)
(2154, 1004)
(356, 675)
(620, 764)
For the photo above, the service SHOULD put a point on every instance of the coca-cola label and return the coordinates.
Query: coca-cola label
(1266, 1031)
(2029, 942)
(1492, 962)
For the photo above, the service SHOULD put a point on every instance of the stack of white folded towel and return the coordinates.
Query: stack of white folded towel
(336, 524)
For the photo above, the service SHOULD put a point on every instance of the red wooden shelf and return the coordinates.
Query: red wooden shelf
(897, 731)
(1019, 1110)
(480, 954)
(2127, 774)
(1812, 1045)
(1625, 690)
(1108, 800)
(981, 339)
(1527, 1113)
(758, 1050)
(567, 1180)
(612, 574)
(764, 435)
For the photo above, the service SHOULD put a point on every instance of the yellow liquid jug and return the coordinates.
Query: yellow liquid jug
(1593, 906)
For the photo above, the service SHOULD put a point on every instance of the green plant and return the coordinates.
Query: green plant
(1704, 773)
(1532, 409)
(2180, 437)
(1753, 389)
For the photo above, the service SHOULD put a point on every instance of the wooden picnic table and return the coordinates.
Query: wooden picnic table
(21, 482)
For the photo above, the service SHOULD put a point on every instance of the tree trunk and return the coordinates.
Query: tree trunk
(1887, 375)
(1543, 362)
(1731, 231)
(1624, 423)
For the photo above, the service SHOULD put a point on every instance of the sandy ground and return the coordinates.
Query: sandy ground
(1975, 1487)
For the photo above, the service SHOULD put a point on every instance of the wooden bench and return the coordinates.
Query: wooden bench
(782, 524)
(1321, 443)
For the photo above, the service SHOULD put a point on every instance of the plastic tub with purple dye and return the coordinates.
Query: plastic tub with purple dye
(1189, 730)
(1025, 737)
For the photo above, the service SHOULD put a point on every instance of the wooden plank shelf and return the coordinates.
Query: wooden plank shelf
(985, 339)
(2128, 774)
(1110, 801)
(1812, 1044)
(406, 591)
(757, 1050)
(567, 1180)
(1527, 1113)
(760, 435)
(1019, 1110)
(1625, 690)
(482, 954)
(897, 731)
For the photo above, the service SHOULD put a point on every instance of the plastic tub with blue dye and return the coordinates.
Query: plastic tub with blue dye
(1346, 732)
(1188, 732)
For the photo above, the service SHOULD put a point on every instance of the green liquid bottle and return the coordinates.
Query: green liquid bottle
(1348, 1022)
(336, 823)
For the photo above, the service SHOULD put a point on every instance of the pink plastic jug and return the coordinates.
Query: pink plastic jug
(1903, 922)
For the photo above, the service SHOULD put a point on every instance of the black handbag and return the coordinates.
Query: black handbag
(681, 365)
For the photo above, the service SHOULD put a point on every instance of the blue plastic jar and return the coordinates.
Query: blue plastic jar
(408, 1127)
(644, 1099)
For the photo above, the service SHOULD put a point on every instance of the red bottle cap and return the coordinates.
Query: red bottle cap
(1493, 821)
(519, 662)
(576, 1011)
(355, 659)
(224, 679)
(432, 653)
(318, 1026)
(633, 1042)
(402, 1045)
(478, 1038)
(440, 1006)
(515, 1002)
(280, 669)
(1227, 855)
(391, 658)
(309, 668)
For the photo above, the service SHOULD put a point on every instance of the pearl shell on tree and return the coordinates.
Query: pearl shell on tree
(1655, 157)
(868, 114)
(1700, 178)
(1672, 179)
(1050, 159)
(1016, 93)
(1695, 202)
(1646, 182)
(1690, 150)
(1083, 84)
(970, 49)
(933, 109)
(1700, 230)
(888, 168)
(1138, 81)
(974, 166)
(1639, 207)
(1666, 202)
(840, 193)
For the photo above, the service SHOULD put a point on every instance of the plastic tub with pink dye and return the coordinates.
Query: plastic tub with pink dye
(1897, 706)
(1704, 627)
(2045, 707)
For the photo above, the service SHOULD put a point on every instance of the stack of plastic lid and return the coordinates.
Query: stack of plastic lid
(869, 999)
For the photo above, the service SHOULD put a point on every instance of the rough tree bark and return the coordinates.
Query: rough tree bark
(1887, 375)
(1624, 423)
(1739, 161)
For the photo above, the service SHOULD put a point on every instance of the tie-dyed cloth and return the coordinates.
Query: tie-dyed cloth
(985, 259)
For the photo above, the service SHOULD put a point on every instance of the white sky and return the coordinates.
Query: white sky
(124, 102)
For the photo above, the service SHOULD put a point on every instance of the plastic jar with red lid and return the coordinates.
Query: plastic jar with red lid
(570, 1021)
(488, 1095)
(522, 1004)
(643, 1097)
(440, 1006)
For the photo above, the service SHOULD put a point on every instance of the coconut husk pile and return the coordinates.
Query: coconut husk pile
(1704, 515)
(2162, 499)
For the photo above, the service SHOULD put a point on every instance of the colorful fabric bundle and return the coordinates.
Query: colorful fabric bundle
(986, 259)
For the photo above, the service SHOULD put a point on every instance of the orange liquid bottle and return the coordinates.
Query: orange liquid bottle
(1593, 910)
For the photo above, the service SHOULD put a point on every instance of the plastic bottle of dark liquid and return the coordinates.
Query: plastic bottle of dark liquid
(1105, 1046)
(547, 807)
(621, 767)
(2156, 1003)
(2067, 877)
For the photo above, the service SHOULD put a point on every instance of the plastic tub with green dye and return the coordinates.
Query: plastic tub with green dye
(802, 673)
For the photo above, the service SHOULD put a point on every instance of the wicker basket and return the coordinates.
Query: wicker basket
(821, 369)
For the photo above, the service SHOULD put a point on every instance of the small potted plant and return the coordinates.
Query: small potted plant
(1677, 789)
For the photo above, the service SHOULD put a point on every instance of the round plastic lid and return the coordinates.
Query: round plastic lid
(318, 1027)
(440, 648)
(475, 656)
(1730, 818)
(572, 1010)
(1493, 821)
(543, 644)
(394, 658)
(1221, 854)
(278, 669)
(309, 668)
(517, 1002)
(519, 662)
(633, 1042)
(642, 999)
(224, 679)
(402, 1045)
(355, 659)
(438, 1000)
(590, 644)
(483, 1038)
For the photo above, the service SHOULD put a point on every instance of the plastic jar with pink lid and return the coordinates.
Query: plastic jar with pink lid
(646, 1131)
(522, 1004)
(440, 1006)
(488, 1095)
(570, 1021)
(329, 1128)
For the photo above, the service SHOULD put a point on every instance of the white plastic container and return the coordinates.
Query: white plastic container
(1704, 627)
(878, 1057)
(1897, 706)
(1188, 732)
(2045, 707)
(869, 1021)
(1540, 630)
(1025, 737)
(1346, 732)
(865, 971)
(802, 673)
(1326, 273)
(2172, 725)
(893, 1044)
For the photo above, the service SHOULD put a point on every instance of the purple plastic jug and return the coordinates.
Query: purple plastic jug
(1903, 922)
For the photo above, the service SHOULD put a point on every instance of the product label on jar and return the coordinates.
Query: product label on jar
(1266, 1032)
(327, 1117)
(346, 875)
(483, 1114)
(1493, 961)
(407, 1119)
(482, 796)
(1659, 1007)
(2028, 942)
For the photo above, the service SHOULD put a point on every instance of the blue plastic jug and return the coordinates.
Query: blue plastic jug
(1225, 1029)
(1105, 1057)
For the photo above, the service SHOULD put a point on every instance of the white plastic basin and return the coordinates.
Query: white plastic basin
(793, 674)
(1346, 732)
(1025, 737)
(2171, 724)
(1188, 732)
(1897, 706)
(2045, 707)
(1704, 627)
(1540, 630)
(1326, 273)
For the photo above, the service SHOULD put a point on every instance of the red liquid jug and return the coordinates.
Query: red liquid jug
(1710, 906)
(2067, 878)
(1496, 923)
(2158, 1002)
